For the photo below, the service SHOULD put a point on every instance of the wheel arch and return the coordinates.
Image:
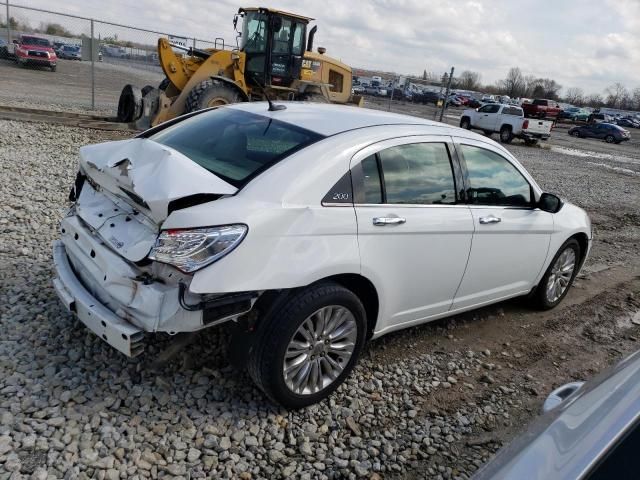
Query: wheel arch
(232, 84)
(583, 241)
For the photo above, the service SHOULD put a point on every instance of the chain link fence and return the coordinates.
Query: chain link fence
(96, 59)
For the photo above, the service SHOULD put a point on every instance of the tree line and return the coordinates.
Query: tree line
(518, 85)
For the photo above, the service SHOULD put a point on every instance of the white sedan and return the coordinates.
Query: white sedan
(309, 230)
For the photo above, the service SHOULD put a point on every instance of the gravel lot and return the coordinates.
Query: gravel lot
(432, 402)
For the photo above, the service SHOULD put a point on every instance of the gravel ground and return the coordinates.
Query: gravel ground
(431, 402)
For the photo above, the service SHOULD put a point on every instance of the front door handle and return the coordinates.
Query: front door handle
(382, 221)
(490, 219)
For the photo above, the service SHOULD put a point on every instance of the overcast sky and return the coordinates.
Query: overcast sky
(579, 43)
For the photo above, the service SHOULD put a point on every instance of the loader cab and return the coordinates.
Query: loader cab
(274, 44)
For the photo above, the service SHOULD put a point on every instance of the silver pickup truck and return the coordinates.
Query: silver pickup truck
(508, 121)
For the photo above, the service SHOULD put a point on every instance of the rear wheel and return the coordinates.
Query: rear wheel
(559, 276)
(576, 134)
(305, 350)
(53, 68)
(609, 139)
(211, 93)
(506, 135)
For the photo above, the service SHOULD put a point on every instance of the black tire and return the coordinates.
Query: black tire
(610, 139)
(576, 134)
(211, 93)
(130, 104)
(146, 89)
(465, 123)
(164, 84)
(267, 353)
(53, 68)
(506, 135)
(540, 298)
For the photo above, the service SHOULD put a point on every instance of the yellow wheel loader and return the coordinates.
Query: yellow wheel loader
(274, 60)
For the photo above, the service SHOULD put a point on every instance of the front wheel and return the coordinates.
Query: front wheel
(53, 68)
(465, 123)
(576, 134)
(609, 139)
(211, 93)
(303, 352)
(559, 276)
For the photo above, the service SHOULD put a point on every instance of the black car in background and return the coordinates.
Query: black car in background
(628, 122)
(605, 131)
(428, 97)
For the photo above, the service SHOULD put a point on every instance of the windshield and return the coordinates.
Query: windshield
(69, 48)
(42, 42)
(235, 145)
(254, 33)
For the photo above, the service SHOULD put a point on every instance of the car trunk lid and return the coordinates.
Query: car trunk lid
(132, 187)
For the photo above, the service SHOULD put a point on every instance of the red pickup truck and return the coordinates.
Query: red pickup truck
(35, 51)
(541, 108)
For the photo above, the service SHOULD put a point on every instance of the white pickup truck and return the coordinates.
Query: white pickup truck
(508, 121)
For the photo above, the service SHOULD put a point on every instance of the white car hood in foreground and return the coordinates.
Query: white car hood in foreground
(154, 173)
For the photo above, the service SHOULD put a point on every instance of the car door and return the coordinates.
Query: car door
(511, 238)
(414, 233)
(486, 117)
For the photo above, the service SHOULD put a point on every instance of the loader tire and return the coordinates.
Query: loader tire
(130, 104)
(210, 93)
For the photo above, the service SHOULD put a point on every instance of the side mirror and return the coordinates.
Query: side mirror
(550, 203)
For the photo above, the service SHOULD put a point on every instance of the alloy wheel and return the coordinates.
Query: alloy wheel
(561, 274)
(319, 350)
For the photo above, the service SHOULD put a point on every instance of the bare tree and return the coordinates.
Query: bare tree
(551, 88)
(469, 80)
(575, 96)
(615, 94)
(594, 100)
(636, 98)
(530, 83)
(514, 84)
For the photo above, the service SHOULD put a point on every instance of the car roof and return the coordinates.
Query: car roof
(330, 119)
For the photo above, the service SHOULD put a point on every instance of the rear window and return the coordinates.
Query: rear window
(235, 145)
(539, 102)
(513, 111)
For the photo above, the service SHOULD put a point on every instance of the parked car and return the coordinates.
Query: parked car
(574, 114)
(627, 122)
(541, 108)
(588, 431)
(216, 218)
(70, 52)
(474, 103)
(32, 50)
(608, 132)
(488, 99)
(597, 117)
(427, 96)
(508, 120)
(4, 51)
(357, 89)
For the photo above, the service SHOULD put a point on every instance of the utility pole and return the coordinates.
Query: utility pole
(393, 87)
(8, 26)
(446, 95)
(93, 69)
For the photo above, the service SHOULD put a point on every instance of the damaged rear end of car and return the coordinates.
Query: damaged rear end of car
(117, 269)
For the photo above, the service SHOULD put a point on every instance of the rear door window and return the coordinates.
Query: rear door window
(233, 144)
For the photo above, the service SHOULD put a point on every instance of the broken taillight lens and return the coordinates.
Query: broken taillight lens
(191, 250)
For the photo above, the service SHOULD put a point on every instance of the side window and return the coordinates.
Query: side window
(298, 39)
(372, 186)
(418, 173)
(493, 180)
(485, 109)
(622, 461)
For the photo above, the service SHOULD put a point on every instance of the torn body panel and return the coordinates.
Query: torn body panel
(148, 174)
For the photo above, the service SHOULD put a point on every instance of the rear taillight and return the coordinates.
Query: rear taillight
(525, 125)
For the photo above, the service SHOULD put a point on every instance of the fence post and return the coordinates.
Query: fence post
(8, 25)
(446, 95)
(194, 43)
(93, 70)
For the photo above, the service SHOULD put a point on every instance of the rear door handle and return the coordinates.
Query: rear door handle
(490, 219)
(382, 221)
